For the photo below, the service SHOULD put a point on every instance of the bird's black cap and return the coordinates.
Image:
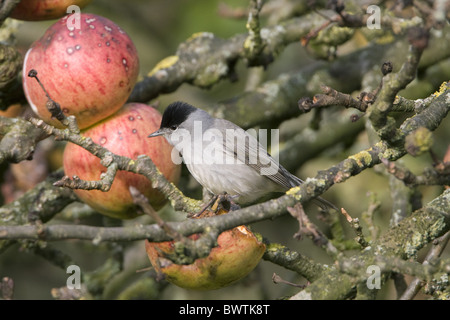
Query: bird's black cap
(176, 113)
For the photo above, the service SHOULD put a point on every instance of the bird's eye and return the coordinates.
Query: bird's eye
(173, 128)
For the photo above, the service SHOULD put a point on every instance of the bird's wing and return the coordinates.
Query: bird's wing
(254, 155)
(251, 147)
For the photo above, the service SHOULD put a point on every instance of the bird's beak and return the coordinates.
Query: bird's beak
(158, 132)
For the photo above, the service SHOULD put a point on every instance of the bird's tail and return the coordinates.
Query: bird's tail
(324, 204)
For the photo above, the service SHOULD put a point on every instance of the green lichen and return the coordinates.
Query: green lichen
(164, 64)
(444, 86)
(362, 158)
(419, 141)
(294, 192)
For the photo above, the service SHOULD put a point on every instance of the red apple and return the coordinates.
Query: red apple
(124, 133)
(37, 10)
(237, 253)
(89, 71)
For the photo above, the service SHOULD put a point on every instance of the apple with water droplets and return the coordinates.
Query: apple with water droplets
(124, 133)
(37, 10)
(88, 69)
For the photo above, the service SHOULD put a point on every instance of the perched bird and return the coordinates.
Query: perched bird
(223, 157)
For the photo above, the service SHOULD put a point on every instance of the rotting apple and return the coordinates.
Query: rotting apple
(90, 71)
(124, 133)
(38, 10)
(237, 253)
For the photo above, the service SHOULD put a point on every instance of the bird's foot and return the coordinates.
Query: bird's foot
(217, 203)
(226, 202)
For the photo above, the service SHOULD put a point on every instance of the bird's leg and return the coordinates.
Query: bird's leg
(227, 202)
(209, 204)
(221, 201)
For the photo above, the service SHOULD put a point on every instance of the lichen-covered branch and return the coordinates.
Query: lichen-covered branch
(292, 260)
(402, 241)
(204, 59)
(18, 139)
(312, 187)
(6, 7)
(41, 203)
(378, 113)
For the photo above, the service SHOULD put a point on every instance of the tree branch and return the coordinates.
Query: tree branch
(404, 241)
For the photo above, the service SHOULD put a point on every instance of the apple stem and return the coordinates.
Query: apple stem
(53, 107)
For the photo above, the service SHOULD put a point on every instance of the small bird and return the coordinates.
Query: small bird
(223, 157)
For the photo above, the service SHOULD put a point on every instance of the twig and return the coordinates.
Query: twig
(354, 223)
(143, 203)
(277, 279)
(332, 97)
(430, 176)
(392, 83)
(306, 227)
(254, 44)
(54, 108)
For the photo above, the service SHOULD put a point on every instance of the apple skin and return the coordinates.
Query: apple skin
(124, 133)
(89, 71)
(237, 253)
(38, 10)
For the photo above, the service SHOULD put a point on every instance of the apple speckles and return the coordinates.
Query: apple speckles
(96, 57)
(134, 131)
(103, 140)
(131, 118)
(125, 63)
(90, 20)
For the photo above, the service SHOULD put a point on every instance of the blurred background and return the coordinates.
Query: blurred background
(157, 27)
